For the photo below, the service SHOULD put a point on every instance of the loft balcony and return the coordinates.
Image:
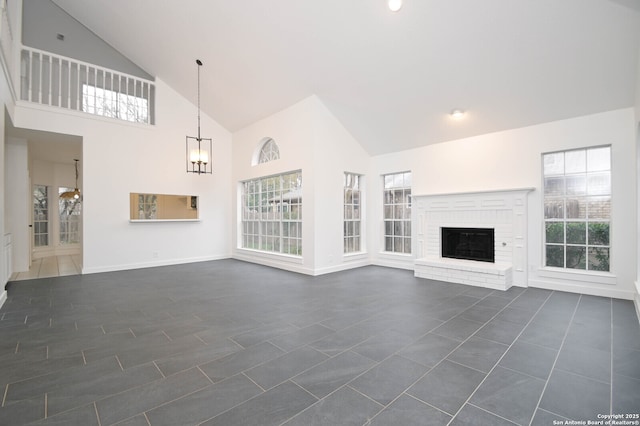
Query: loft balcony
(60, 82)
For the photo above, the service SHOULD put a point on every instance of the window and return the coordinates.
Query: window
(69, 218)
(272, 213)
(352, 209)
(40, 216)
(147, 206)
(109, 103)
(577, 208)
(397, 212)
(268, 152)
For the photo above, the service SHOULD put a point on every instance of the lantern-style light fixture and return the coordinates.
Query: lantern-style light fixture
(75, 194)
(199, 149)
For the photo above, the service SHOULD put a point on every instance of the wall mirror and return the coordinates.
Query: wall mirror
(152, 207)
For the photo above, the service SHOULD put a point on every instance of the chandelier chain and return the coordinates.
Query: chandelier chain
(199, 65)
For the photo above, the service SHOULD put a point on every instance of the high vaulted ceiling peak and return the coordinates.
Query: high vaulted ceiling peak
(390, 78)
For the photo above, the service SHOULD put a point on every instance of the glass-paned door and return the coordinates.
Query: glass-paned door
(69, 210)
(40, 216)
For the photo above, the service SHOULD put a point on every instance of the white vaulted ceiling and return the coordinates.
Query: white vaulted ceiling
(390, 78)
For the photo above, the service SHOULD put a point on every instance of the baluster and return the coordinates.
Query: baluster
(126, 99)
(80, 94)
(69, 85)
(113, 94)
(95, 91)
(50, 80)
(145, 95)
(40, 80)
(60, 82)
(30, 76)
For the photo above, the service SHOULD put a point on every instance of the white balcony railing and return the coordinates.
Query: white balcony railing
(58, 81)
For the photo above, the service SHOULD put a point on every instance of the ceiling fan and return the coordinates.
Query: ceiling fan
(75, 194)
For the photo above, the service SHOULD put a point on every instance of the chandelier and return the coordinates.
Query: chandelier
(199, 149)
(75, 194)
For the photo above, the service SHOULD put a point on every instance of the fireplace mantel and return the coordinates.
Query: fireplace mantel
(475, 193)
(503, 210)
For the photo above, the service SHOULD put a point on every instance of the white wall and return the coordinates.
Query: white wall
(5, 254)
(336, 151)
(312, 140)
(18, 199)
(512, 159)
(637, 128)
(120, 158)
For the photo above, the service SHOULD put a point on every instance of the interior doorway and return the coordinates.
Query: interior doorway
(45, 209)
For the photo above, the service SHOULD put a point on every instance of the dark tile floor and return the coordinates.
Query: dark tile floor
(232, 343)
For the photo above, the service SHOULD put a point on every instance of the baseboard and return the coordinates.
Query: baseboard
(636, 300)
(291, 265)
(3, 297)
(581, 289)
(342, 267)
(142, 265)
(397, 262)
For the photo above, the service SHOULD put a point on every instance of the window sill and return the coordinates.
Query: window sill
(162, 220)
(270, 255)
(594, 277)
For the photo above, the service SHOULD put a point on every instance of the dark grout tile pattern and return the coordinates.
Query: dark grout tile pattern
(234, 343)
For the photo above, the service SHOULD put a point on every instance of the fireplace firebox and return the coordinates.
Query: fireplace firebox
(468, 243)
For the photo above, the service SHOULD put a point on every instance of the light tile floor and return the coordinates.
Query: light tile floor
(233, 343)
(47, 267)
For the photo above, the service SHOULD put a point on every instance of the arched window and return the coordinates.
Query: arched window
(268, 152)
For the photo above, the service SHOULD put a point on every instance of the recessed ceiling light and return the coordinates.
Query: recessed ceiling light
(395, 5)
(457, 114)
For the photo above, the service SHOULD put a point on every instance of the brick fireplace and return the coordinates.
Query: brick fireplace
(504, 212)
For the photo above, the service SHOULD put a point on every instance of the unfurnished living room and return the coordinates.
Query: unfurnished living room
(286, 212)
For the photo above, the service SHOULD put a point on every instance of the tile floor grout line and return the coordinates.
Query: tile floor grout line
(120, 364)
(377, 363)
(582, 376)
(505, 352)
(158, 368)
(46, 405)
(95, 408)
(363, 394)
(611, 358)
(254, 382)
(494, 414)
(302, 411)
(404, 392)
(4, 397)
(203, 342)
(555, 361)
(205, 375)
